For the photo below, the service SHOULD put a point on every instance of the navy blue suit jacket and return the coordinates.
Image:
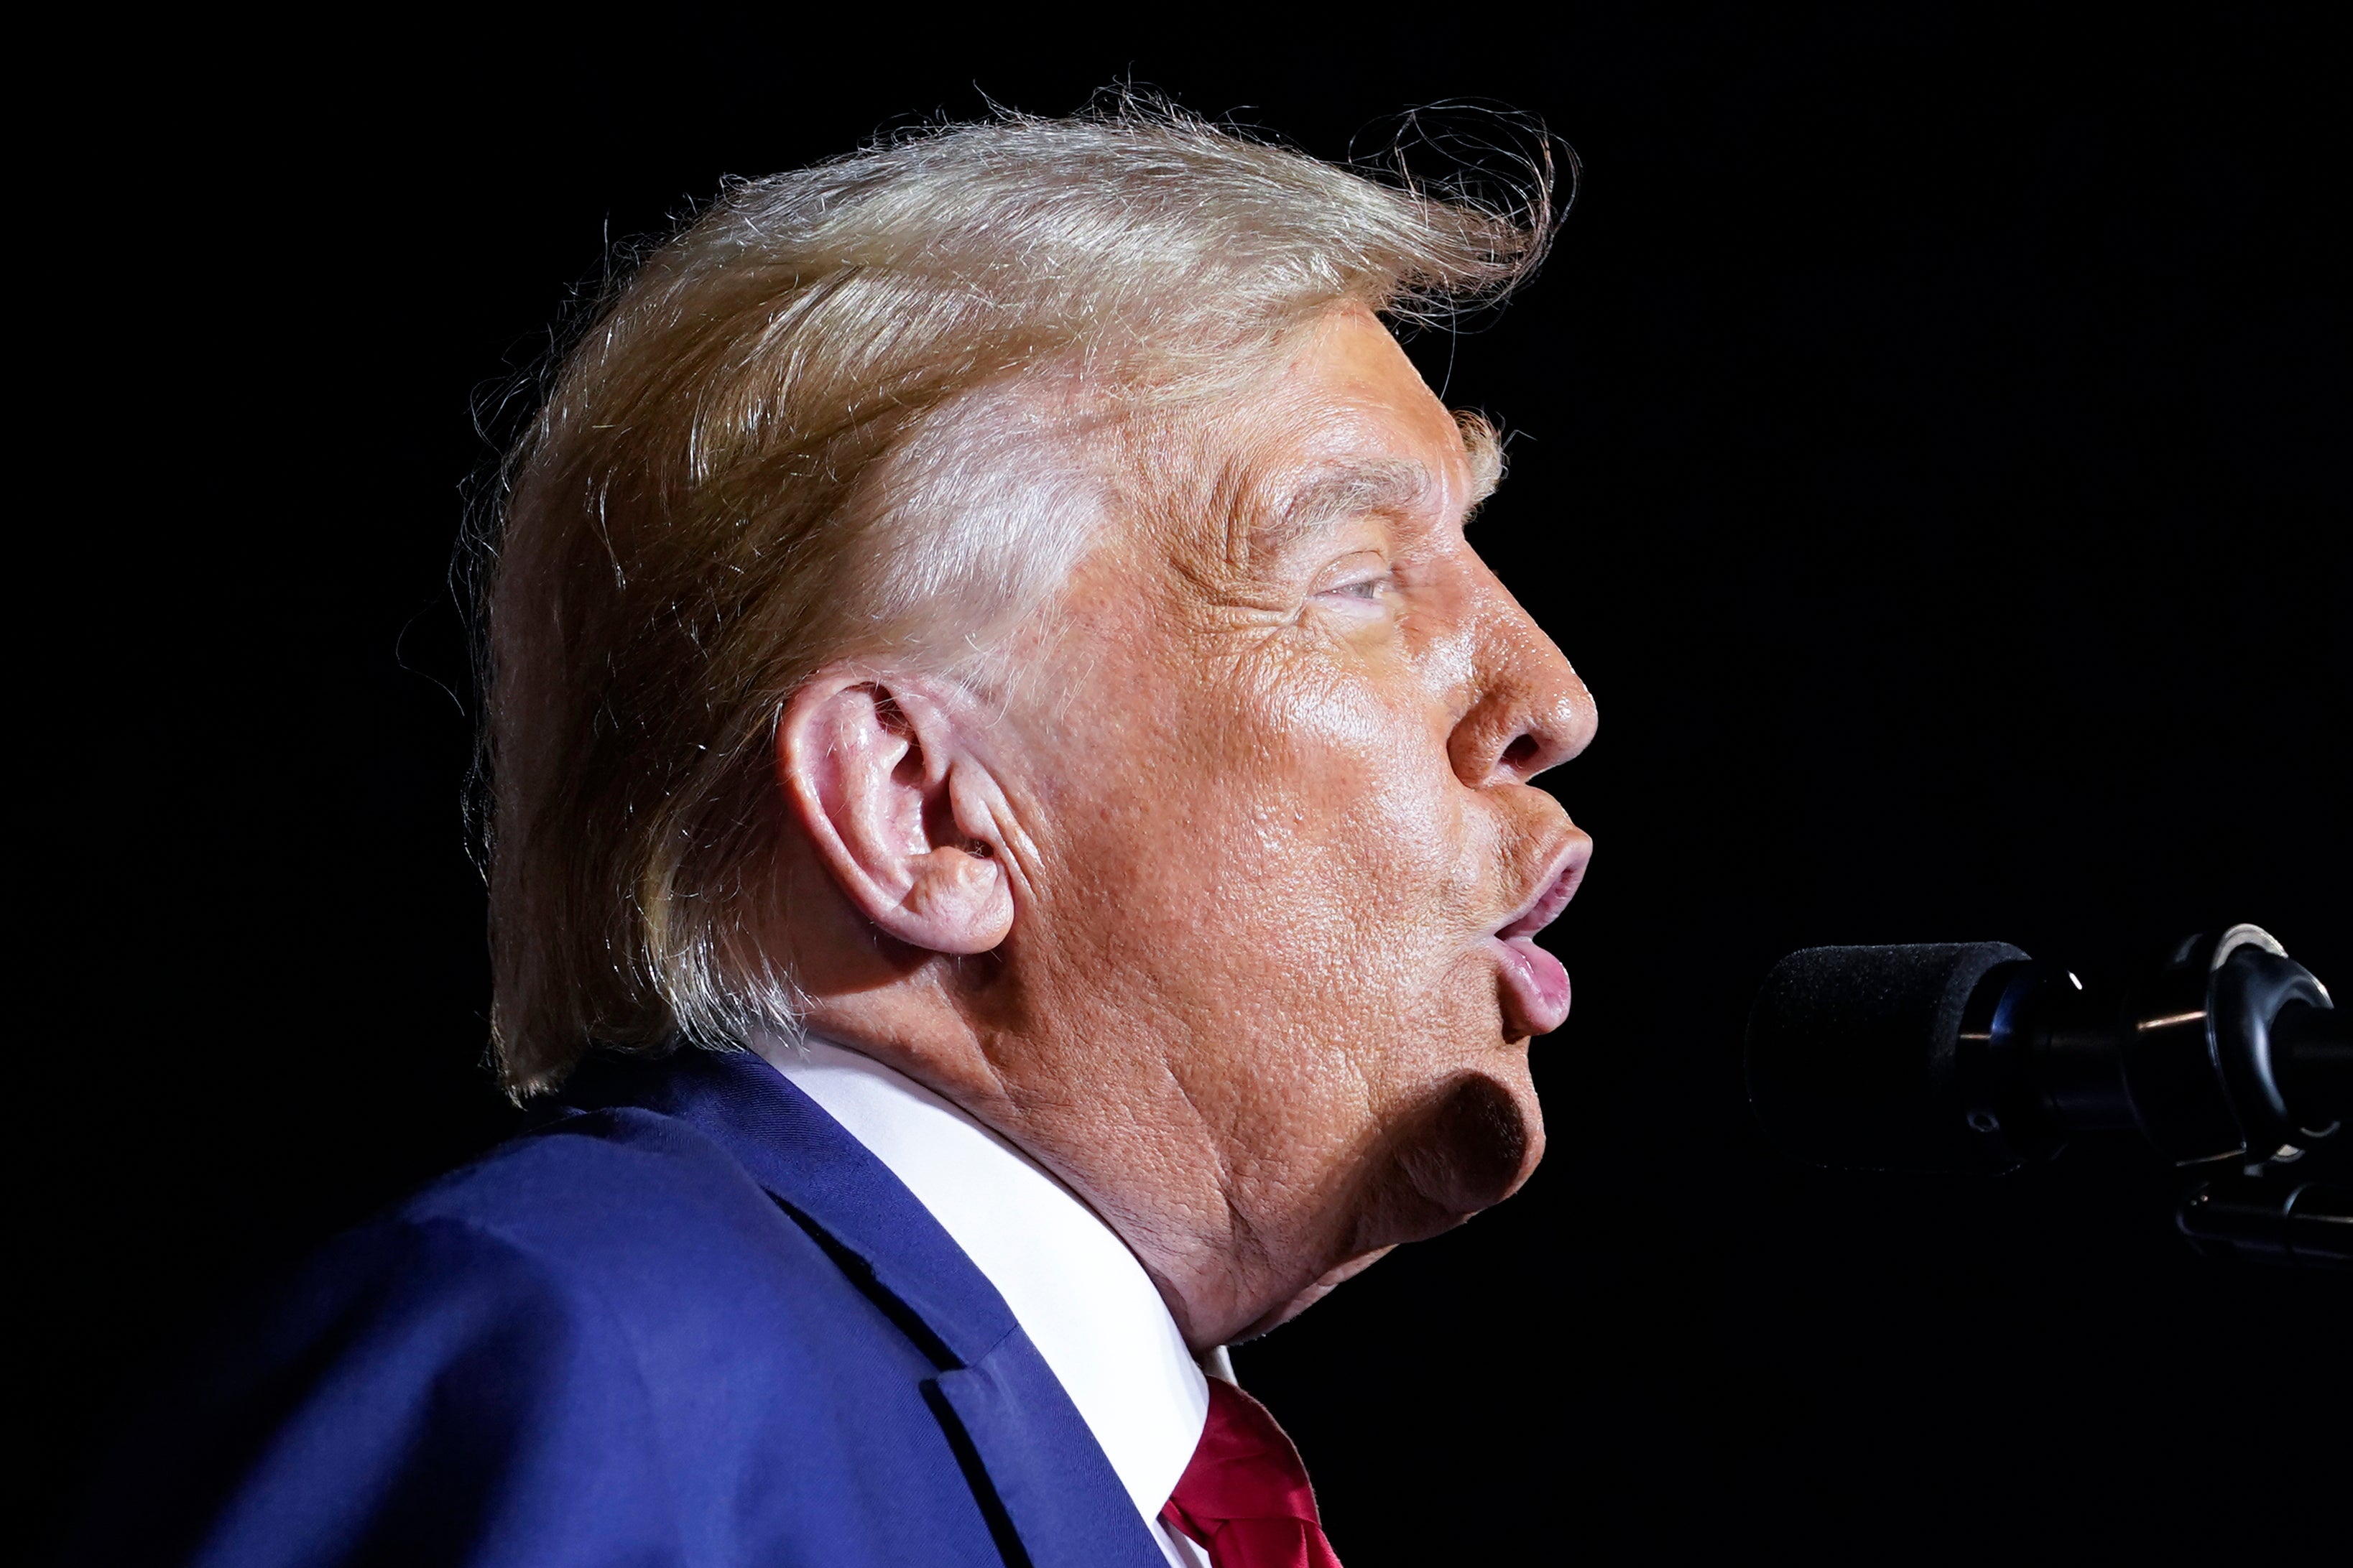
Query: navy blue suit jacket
(687, 1320)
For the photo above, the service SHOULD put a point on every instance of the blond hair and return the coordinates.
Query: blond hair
(796, 434)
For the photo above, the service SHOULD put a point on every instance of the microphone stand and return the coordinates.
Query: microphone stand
(2228, 1059)
(2293, 1207)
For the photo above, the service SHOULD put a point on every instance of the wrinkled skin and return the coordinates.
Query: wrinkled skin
(1203, 913)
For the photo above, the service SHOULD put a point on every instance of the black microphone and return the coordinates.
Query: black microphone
(2227, 1056)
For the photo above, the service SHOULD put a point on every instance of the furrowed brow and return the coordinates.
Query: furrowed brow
(1344, 490)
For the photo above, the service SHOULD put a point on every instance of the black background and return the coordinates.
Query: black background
(1929, 440)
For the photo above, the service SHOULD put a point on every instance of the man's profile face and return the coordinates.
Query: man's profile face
(1273, 786)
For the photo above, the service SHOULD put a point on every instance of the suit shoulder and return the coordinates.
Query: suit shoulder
(600, 1338)
(572, 1190)
(642, 1213)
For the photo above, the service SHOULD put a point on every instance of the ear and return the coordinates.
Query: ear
(872, 771)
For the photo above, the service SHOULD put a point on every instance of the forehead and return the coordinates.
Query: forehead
(1342, 426)
(1348, 426)
(1349, 389)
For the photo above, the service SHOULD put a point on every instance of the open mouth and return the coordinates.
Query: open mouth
(1535, 986)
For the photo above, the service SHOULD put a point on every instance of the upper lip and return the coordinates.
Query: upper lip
(1558, 886)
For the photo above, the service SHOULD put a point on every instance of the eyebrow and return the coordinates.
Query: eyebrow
(1341, 490)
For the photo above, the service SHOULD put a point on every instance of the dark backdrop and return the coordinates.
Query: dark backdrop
(1929, 440)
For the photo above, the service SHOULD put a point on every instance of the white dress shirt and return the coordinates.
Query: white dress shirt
(1072, 1283)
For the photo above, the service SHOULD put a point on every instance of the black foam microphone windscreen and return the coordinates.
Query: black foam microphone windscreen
(1851, 1051)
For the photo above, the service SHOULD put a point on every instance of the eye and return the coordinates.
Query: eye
(1362, 578)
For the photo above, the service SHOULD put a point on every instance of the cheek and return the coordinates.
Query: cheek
(1311, 854)
(1361, 820)
(1273, 860)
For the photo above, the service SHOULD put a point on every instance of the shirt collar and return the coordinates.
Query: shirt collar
(1081, 1297)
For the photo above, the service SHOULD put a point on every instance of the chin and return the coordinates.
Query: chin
(1472, 1140)
(1469, 1143)
(1472, 1144)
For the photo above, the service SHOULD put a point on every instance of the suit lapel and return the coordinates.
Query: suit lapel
(1050, 1495)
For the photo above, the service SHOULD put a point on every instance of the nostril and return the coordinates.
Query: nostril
(1521, 753)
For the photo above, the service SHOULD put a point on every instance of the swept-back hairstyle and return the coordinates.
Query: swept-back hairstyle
(758, 457)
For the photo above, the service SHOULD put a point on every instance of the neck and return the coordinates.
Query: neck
(1144, 1168)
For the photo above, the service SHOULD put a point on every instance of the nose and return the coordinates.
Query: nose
(1528, 711)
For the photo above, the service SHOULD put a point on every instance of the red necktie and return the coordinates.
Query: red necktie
(1245, 1496)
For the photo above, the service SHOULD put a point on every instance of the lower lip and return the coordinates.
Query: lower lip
(1538, 983)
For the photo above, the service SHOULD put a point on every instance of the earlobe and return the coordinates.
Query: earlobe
(872, 775)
